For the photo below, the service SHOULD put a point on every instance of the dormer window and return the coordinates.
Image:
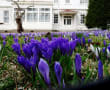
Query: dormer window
(67, 1)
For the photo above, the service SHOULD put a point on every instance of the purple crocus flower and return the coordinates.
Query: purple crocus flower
(96, 33)
(87, 34)
(3, 36)
(78, 63)
(108, 47)
(50, 54)
(47, 53)
(89, 40)
(32, 63)
(103, 49)
(104, 42)
(28, 64)
(25, 39)
(24, 62)
(44, 40)
(72, 45)
(83, 41)
(4, 43)
(79, 41)
(64, 48)
(58, 71)
(35, 55)
(100, 70)
(44, 70)
(27, 50)
(21, 60)
(74, 36)
(16, 48)
(16, 40)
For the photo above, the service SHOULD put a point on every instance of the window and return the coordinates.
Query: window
(82, 19)
(47, 17)
(55, 1)
(44, 15)
(32, 14)
(67, 20)
(55, 18)
(83, 1)
(6, 16)
(67, 1)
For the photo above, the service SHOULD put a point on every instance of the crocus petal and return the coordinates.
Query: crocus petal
(32, 62)
(63, 83)
(99, 49)
(44, 70)
(58, 71)
(35, 55)
(24, 62)
(103, 49)
(92, 48)
(0, 47)
(89, 40)
(104, 42)
(83, 41)
(100, 70)
(16, 40)
(78, 63)
(108, 53)
(16, 48)
(97, 52)
(27, 50)
(21, 60)
(72, 45)
(4, 43)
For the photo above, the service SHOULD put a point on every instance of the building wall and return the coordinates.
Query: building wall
(76, 5)
(38, 25)
(80, 8)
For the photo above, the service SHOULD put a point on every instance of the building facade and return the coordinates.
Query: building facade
(61, 15)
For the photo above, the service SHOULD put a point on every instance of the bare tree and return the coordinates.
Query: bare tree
(19, 15)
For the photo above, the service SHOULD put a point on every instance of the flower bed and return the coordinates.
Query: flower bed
(59, 59)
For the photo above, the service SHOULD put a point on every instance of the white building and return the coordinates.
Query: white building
(62, 15)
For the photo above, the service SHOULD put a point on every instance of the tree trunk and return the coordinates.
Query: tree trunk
(19, 25)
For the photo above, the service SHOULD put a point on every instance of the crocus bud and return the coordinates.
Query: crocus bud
(100, 70)
(58, 72)
(104, 42)
(83, 41)
(44, 70)
(78, 63)
(4, 43)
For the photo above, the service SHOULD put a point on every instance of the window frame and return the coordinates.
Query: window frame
(6, 16)
(82, 20)
(43, 13)
(33, 17)
(55, 18)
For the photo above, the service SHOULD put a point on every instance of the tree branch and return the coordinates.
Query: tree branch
(15, 2)
(18, 12)
(24, 11)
